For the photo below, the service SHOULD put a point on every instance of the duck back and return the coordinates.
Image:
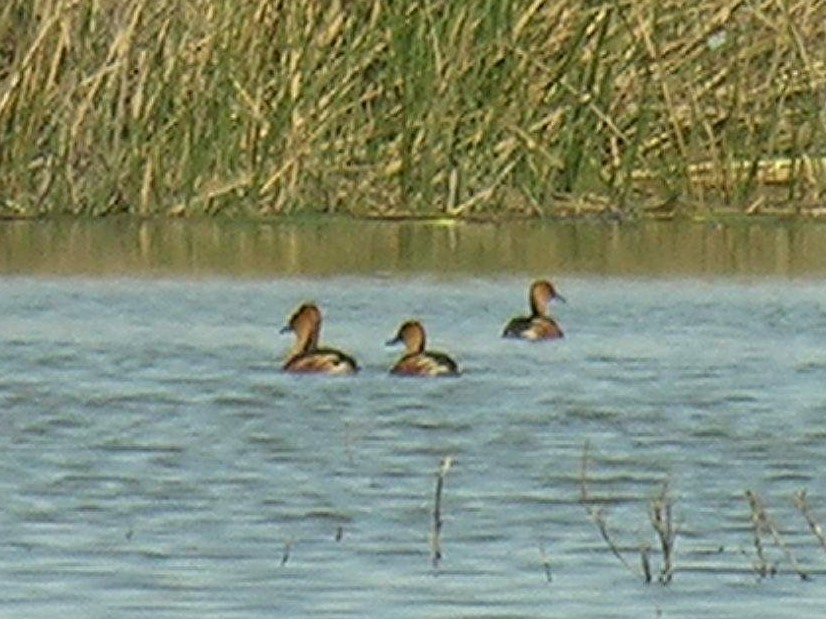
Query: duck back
(431, 363)
(322, 361)
(533, 328)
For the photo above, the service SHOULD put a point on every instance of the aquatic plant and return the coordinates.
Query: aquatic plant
(433, 108)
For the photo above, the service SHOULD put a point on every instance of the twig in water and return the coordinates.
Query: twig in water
(436, 535)
(597, 515)
(757, 526)
(645, 552)
(802, 504)
(287, 549)
(546, 562)
(663, 524)
(762, 522)
(598, 518)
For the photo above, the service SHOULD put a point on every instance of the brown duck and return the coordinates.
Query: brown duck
(417, 361)
(306, 356)
(539, 325)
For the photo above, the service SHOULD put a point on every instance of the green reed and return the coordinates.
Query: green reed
(427, 108)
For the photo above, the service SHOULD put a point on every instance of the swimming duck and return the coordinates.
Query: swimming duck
(417, 361)
(539, 325)
(306, 356)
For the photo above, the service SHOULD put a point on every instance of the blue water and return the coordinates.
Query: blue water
(155, 462)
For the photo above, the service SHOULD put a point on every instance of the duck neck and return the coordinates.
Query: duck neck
(305, 341)
(415, 344)
(538, 308)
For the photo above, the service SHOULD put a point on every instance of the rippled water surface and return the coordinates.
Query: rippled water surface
(155, 462)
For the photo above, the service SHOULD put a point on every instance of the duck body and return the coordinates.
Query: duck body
(430, 363)
(306, 356)
(417, 361)
(321, 361)
(533, 328)
(538, 325)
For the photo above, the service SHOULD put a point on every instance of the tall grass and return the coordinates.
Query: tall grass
(428, 107)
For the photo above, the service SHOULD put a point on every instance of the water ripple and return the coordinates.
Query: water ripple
(157, 462)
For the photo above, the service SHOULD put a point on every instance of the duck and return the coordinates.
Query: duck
(417, 361)
(539, 325)
(306, 356)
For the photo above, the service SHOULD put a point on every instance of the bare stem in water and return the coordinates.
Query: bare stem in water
(758, 520)
(663, 524)
(645, 557)
(762, 524)
(546, 562)
(288, 546)
(597, 515)
(801, 502)
(436, 535)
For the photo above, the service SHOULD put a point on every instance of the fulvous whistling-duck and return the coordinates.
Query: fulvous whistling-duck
(539, 325)
(306, 356)
(417, 361)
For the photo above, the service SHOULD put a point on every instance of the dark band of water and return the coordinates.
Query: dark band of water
(337, 246)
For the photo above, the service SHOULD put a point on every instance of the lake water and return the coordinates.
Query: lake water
(156, 462)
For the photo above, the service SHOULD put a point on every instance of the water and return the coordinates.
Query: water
(156, 462)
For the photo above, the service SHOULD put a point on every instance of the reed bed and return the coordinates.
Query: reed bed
(421, 108)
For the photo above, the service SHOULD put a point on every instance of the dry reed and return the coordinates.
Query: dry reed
(486, 109)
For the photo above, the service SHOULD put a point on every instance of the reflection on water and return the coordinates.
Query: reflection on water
(334, 246)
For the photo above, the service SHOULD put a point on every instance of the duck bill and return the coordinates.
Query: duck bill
(392, 341)
(285, 329)
(559, 297)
